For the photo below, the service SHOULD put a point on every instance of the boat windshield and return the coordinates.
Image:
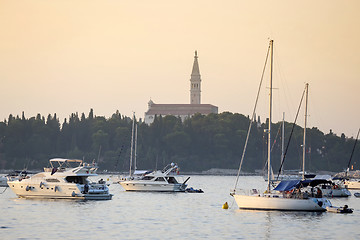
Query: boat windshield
(171, 180)
(76, 179)
(147, 178)
(161, 179)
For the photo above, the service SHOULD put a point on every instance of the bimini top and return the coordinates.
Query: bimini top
(62, 162)
(288, 185)
(65, 160)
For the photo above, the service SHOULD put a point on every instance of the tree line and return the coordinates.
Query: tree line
(199, 143)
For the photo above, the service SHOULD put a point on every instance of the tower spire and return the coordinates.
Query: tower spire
(195, 82)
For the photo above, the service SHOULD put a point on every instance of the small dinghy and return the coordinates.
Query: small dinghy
(357, 194)
(192, 190)
(344, 209)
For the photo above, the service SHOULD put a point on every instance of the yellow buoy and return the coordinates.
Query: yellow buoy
(225, 205)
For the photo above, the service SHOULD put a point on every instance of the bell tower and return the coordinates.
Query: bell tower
(195, 82)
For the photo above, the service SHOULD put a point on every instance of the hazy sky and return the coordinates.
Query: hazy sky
(66, 56)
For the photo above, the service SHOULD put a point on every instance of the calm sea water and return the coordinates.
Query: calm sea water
(132, 215)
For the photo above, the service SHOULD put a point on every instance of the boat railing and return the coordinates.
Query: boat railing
(173, 167)
(247, 192)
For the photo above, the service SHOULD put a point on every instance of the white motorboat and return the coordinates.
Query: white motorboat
(352, 184)
(3, 181)
(330, 188)
(156, 181)
(278, 198)
(65, 179)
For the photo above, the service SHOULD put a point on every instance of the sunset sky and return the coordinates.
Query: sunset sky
(67, 56)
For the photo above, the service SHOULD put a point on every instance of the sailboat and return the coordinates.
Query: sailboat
(288, 195)
(133, 174)
(352, 183)
(150, 181)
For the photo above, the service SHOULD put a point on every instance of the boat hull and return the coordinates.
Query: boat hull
(51, 191)
(152, 187)
(256, 202)
(342, 192)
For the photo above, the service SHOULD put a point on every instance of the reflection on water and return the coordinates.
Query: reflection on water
(134, 215)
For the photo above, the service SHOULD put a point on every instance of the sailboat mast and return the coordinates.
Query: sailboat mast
(270, 115)
(352, 152)
(282, 142)
(132, 144)
(304, 140)
(136, 128)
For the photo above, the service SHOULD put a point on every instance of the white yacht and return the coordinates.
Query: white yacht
(156, 181)
(65, 179)
(352, 184)
(280, 198)
(330, 188)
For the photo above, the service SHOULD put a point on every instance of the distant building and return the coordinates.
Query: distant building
(183, 110)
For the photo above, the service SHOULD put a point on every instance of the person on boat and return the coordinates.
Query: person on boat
(86, 188)
(101, 181)
(319, 193)
(306, 195)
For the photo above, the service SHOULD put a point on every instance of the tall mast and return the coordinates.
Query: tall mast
(270, 115)
(282, 142)
(132, 143)
(352, 152)
(304, 140)
(136, 128)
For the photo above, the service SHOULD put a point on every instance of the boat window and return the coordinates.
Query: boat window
(147, 178)
(161, 179)
(52, 180)
(171, 180)
(75, 179)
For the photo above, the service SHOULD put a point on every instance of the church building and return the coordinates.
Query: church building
(183, 110)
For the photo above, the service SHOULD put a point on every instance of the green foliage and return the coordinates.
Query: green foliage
(199, 143)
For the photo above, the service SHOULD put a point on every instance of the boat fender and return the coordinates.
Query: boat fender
(27, 188)
(73, 194)
(56, 188)
(41, 184)
(225, 206)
